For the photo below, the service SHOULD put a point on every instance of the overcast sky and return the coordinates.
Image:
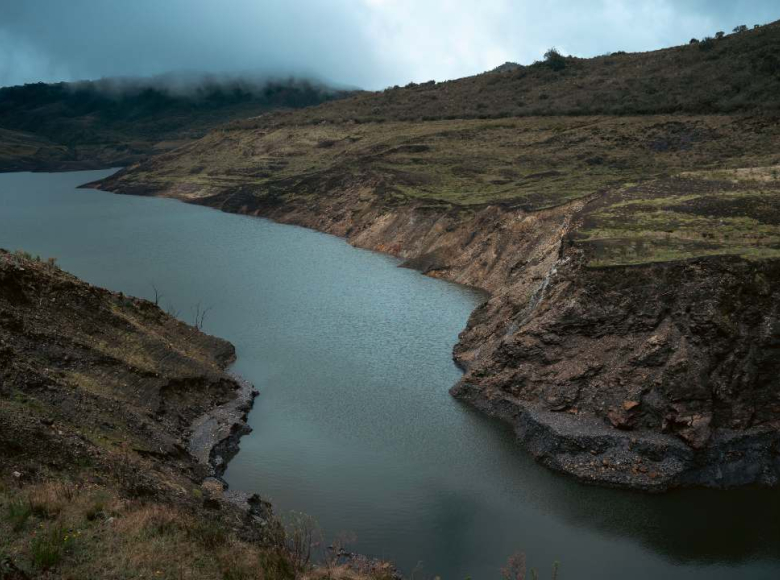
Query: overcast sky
(366, 43)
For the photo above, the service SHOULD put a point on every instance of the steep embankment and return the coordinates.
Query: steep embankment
(114, 420)
(632, 260)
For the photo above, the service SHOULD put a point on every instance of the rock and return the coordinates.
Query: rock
(698, 433)
(620, 419)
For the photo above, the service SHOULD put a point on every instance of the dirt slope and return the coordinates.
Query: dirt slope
(115, 419)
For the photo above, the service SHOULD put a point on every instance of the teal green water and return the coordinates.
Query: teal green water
(354, 424)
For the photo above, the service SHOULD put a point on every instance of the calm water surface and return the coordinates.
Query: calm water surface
(354, 425)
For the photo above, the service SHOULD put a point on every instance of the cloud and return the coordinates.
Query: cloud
(370, 43)
(441, 39)
(93, 38)
(21, 60)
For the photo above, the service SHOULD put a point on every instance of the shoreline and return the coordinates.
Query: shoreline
(530, 294)
(216, 435)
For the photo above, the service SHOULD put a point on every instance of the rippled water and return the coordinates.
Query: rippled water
(354, 425)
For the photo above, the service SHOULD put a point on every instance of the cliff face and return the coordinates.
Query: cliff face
(648, 376)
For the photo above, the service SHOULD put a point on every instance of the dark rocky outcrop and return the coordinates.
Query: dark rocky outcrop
(648, 376)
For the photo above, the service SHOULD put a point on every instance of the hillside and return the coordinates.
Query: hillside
(113, 122)
(114, 420)
(737, 73)
(621, 212)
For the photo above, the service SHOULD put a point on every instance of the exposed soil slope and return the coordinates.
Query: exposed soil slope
(114, 418)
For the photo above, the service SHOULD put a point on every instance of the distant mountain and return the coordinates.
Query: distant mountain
(116, 121)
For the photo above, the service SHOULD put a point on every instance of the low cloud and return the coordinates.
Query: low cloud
(368, 43)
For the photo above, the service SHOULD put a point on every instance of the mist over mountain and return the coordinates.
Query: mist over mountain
(118, 120)
(369, 43)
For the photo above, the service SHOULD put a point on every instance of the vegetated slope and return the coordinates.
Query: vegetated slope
(115, 121)
(632, 259)
(98, 477)
(737, 73)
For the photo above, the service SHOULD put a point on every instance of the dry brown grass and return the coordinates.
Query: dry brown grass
(342, 573)
(74, 531)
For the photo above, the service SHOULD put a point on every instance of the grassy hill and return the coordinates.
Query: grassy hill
(737, 73)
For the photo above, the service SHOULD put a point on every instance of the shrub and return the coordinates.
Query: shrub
(515, 569)
(301, 534)
(48, 548)
(720, 34)
(48, 500)
(707, 43)
(9, 570)
(740, 28)
(554, 59)
(18, 513)
(97, 507)
(694, 41)
(767, 63)
(22, 255)
(210, 534)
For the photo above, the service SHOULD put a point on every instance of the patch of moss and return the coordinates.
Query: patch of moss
(677, 219)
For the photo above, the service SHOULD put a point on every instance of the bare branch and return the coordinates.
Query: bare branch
(157, 295)
(200, 314)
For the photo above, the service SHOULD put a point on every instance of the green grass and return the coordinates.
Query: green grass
(681, 219)
(531, 163)
(17, 514)
(49, 547)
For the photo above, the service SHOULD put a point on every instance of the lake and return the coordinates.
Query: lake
(354, 424)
